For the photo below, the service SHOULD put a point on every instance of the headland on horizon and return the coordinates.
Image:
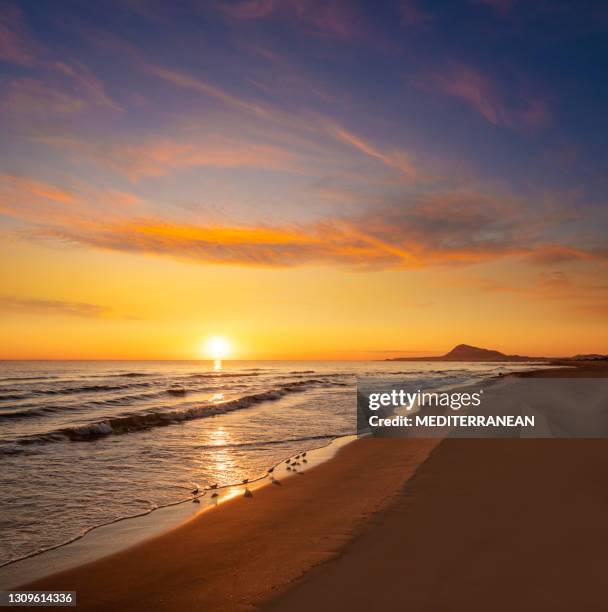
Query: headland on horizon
(466, 352)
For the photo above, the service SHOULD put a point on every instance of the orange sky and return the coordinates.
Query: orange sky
(154, 308)
(309, 183)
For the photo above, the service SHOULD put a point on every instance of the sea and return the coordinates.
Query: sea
(84, 444)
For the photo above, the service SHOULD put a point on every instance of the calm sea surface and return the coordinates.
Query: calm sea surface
(85, 443)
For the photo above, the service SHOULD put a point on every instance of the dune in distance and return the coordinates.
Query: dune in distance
(466, 352)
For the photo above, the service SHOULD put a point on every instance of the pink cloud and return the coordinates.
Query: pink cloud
(161, 156)
(16, 44)
(19, 46)
(397, 160)
(475, 89)
(326, 17)
(34, 98)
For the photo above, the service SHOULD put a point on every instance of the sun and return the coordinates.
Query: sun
(217, 347)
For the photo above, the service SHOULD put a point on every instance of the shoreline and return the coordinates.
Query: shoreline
(190, 564)
(99, 541)
(210, 546)
(82, 547)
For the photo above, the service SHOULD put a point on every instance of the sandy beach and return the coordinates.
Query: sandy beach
(387, 524)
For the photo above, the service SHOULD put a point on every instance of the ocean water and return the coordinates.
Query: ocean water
(83, 444)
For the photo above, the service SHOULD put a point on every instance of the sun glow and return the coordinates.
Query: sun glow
(217, 348)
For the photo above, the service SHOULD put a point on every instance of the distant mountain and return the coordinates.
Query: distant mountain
(465, 352)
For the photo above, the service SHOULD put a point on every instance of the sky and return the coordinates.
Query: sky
(310, 179)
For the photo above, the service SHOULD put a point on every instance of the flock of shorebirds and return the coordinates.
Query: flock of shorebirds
(292, 465)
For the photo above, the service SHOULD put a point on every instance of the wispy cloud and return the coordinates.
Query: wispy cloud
(308, 130)
(16, 42)
(57, 308)
(161, 156)
(427, 230)
(475, 89)
(38, 203)
(87, 82)
(579, 293)
(186, 81)
(33, 98)
(396, 159)
(19, 46)
(336, 18)
(557, 254)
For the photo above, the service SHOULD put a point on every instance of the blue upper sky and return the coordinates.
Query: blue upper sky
(405, 133)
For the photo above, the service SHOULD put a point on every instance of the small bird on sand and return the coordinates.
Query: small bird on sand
(196, 500)
(303, 454)
(213, 486)
(289, 469)
(245, 480)
(271, 470)
(214, 494)
(304, 460)
(196, 488)
(287, 462)
(247, 493)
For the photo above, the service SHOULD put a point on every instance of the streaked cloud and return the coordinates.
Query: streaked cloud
(34, 98)
(471, 86)
(557, 254)
(336, 18)
(420, 231)
(158, 157)
(47, 307)
(396, 159)
(16, 43)
(186, 81)
(19, 46)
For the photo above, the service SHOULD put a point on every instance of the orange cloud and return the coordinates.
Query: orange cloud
(38, 203)
(36, 188)
(160, 156)
(57, 307)
(556, 254)
(397, 160)
(426, 230)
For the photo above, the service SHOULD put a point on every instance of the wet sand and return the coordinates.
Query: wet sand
(237, 554)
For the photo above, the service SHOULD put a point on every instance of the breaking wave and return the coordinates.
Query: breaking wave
(128, 423)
